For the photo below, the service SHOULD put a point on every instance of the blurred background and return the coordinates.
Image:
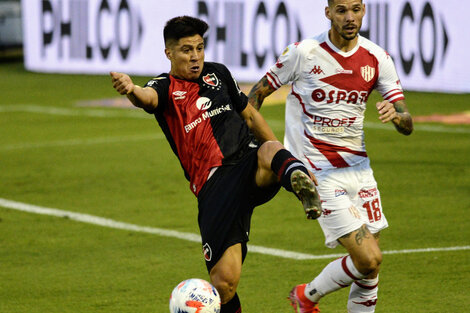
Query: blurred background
(11, 38)
(96, 36)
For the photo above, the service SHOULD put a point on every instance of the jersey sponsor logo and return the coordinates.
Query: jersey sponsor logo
(211, 80)
(337, 95)
(206, 249)
(188, 127)
(368, 193)
(208, 114)
(340, 192)
(317, 70)
(331, 125)
(367, 73)
(179, 95)
(343, 71)
(333, 122)
(328, 130)
(216, 111)
(203, 103)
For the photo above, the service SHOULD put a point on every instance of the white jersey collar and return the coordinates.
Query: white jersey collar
(339, 51)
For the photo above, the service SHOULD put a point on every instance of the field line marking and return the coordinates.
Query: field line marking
(79, 111)
(77, 142)
(418, 127)
(105, 222)
(276, 124)
(96, 220)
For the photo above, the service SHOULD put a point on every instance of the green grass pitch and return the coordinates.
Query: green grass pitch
(114, 163)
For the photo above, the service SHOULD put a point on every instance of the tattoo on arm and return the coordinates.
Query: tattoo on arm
(261, 90)
(403, 123)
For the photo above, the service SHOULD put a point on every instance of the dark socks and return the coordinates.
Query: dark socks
(283, 164)
(233, 306)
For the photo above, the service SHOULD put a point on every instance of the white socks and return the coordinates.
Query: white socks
(363, 296)
(338, 274)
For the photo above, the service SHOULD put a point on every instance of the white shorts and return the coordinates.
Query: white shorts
(350, 198)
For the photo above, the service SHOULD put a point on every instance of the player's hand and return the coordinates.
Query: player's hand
(387, 111)
(122, 83)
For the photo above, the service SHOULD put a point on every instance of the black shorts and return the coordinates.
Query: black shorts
(226, 203)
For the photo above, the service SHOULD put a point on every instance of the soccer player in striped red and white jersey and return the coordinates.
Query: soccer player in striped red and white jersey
(332, 76)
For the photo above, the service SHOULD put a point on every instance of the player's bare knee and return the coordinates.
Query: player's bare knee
(267, 151)
(369, 263)
(225, 283)
(226, 290)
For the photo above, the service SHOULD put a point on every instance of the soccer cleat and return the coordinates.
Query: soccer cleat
(305, 190)
(298, 300)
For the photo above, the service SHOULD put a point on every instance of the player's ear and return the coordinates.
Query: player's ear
(168, 53)
(328, 13)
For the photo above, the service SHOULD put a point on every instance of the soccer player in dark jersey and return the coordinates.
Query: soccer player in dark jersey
(229, 154)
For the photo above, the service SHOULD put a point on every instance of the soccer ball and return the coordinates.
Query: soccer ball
(194, 296)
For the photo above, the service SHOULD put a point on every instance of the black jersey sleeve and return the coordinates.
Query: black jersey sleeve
(239, 99)
(161, 84)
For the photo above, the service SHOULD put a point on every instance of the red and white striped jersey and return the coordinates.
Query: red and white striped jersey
(325, 108)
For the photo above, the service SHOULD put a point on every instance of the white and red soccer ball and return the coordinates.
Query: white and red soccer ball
(194, 296)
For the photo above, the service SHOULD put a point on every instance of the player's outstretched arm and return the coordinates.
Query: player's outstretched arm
(259, 92)
(398, 114)
(145, 98)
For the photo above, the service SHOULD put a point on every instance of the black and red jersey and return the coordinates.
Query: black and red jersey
(201, 120)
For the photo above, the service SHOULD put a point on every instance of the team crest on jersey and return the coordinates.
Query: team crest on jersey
(367, 73)
(206, 249)
(211, 80)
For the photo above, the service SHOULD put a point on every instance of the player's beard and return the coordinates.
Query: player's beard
(349, 36)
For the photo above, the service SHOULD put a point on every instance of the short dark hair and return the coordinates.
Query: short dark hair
(330, 2)
(183, 26)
